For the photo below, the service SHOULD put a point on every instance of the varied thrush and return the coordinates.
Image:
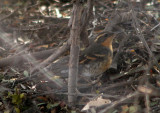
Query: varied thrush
(94, 60)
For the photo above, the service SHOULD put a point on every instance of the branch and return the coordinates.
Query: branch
(20, 59)
(74, 51)
(53, 57)
(140, 35)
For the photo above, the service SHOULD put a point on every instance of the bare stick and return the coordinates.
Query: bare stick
(20, 59)
(10, 14)
(140, 35)
(74, 50)
(53, 57)
(114, 104)
(86, 15)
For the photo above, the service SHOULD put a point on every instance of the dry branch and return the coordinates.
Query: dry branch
(53, 57)
(74, 51)
(106, 108)
(140, 35)
(20, 59)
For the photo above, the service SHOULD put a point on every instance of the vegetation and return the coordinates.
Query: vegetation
(35, 39)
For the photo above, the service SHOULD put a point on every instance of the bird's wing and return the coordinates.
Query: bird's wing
(93, 53)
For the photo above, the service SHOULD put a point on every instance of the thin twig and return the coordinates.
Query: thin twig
(9, 14)
(140, 35)
(114, 104)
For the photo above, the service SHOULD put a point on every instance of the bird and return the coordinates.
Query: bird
(97, 58)
(93, 61)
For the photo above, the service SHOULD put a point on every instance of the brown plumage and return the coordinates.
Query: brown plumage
(94, 60)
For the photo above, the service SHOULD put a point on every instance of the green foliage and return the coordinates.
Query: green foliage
(26, 74)
(17, 110)
(50, 106)
(73, 111)
(133, 109)
(1, 77)
(6, 111)
(153, 103)
(17, 99)
(130, 109)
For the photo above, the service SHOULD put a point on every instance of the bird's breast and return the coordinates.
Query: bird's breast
(96, 68)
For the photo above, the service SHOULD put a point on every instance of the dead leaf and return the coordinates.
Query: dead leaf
(42, 98)
(125, 109)
(145, 89)
(42, 46)
(132, 50)
(96, 103)
(107, 19)
(158, 83)
(53, 111)
(52, 44)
